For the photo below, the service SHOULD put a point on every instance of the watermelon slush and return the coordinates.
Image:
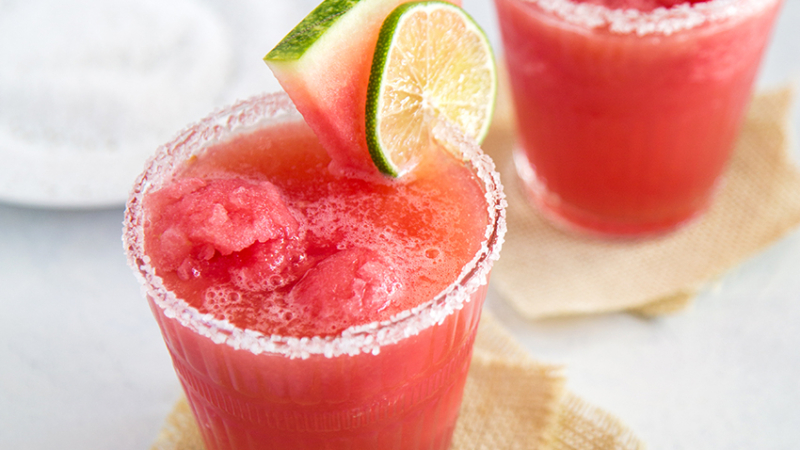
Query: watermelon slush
(627, 117)
(304, 310)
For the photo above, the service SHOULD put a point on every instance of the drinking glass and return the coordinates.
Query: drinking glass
(628, 117)
(396, 384)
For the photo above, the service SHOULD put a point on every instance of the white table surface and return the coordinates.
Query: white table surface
(82, 364)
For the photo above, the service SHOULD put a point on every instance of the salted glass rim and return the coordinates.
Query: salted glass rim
(369, 338)
(660, 21)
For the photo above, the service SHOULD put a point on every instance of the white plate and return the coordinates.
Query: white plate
(89, 88)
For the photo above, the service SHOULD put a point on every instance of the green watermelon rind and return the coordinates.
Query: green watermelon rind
(310, 29)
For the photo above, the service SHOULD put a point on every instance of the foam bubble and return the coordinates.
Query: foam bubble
(432, 253)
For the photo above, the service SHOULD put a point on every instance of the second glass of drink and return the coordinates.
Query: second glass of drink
(628, 110)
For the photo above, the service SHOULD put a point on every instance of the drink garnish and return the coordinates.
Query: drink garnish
(371, 78)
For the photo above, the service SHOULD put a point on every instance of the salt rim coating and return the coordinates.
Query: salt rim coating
(660, 21)
(369, 338)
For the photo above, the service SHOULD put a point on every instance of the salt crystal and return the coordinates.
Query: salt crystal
(92, 81)
(660, 21)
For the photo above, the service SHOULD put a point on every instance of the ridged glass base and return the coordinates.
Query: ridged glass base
(406, 397)
(576, 221)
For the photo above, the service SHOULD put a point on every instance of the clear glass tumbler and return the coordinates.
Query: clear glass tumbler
(627, 117)
(396, 384)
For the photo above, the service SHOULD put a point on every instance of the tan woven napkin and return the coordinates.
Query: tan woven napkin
(546, 272)
(510, 402)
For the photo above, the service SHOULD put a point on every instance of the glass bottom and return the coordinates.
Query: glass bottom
(578, 221)
(406, 397)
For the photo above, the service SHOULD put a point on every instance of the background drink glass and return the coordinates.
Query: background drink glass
(397, 384)
(626, 119)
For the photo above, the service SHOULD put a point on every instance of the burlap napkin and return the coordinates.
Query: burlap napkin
(546, 272)
(510, 402)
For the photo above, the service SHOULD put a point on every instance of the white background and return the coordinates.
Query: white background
(82, 364)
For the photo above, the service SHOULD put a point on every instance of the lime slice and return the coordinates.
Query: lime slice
(431, 62)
